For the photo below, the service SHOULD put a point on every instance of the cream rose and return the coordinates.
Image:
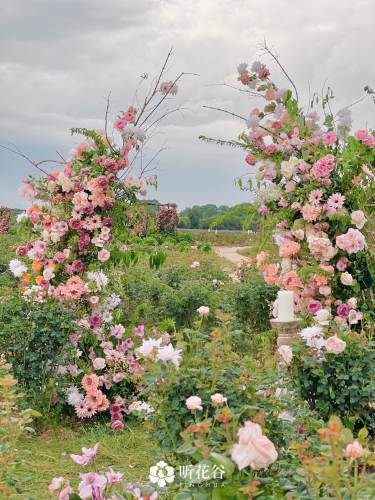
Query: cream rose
(334, 345)
(218, 399)
(253, 449)
(203, 311)
(194, 403)
(358, 219)
(346, 279)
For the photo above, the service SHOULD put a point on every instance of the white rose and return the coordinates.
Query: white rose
(194, 403)
(346, 279)
(203, 311)
(218, 399)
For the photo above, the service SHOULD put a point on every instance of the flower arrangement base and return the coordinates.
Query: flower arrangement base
(286, 330)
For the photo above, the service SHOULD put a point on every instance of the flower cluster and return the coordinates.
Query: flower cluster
(305, 174)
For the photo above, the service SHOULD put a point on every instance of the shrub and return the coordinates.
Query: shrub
(33, 338)
(341, 384)
(253, 300)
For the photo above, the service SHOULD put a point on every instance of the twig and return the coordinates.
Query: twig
(29, 160)
(276, 59)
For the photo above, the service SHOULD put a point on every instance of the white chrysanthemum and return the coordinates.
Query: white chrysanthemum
(99, 278)
(169, 353)
(149, 347)
(17, 268)
(73, 396)
(313, 336)
(112, 301)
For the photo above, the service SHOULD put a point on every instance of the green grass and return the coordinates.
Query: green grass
(48, 455)
(223, 238)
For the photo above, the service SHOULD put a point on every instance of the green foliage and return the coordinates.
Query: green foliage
(221, 217)
(341, 384)
(253, 299)
(34, 337)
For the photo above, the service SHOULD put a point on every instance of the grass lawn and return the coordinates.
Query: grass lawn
(46, 455)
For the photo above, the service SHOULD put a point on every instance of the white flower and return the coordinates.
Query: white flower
(285, 415)
(346, 279)
(257, 66)
(313, 336)
(17, 268)
(99, 278)
(20, 217)
(195, 264)
(73, 395)
(169, 353)
(149, 348)
(203, 311)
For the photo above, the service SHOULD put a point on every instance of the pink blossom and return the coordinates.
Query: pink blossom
(329, 138)
(352, 242)
(358, 219)
(250, 159)
(314, 306)
(315, 197)
(323, 167)
(334, 345)
(263, 210)
(218, 399)
(342, 264)
(87, 455)
(310, 212)
(288, 248)
(365, 137)
(343, 310)
(114, 477)
(354, 450)
(117, 425)
(103, 255)
(90, 482)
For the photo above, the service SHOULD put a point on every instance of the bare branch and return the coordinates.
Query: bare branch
(35, 164)
(276, 59)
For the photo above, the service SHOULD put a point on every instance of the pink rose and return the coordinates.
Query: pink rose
(99, 363)
(342, 264)
(253, 449)
(343, 310)
(354, 450)
(194, 403)
(329, 138)
(104, 255)
(322, 316)
(334, 345)
(358, 219)
(314, 306)
(250, 159)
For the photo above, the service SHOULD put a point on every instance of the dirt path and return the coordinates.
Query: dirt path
(230, 253)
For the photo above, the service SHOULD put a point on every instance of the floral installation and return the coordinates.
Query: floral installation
(303, 173)
(5, 218)
(75, 225)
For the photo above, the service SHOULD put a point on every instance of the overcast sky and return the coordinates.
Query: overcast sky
(59, 59)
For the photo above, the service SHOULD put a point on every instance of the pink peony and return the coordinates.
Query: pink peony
(314, 306)
(323, 167)
(103, 255)
(321, 248)
(99, 363)
(342, 264)
(343, 310)
(253, 449)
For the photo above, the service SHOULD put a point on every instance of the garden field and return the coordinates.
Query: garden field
(138, 361)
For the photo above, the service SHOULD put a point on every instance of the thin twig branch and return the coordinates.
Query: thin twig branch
(29, 160)
(276, 59)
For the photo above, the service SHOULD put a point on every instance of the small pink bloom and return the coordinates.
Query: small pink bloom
(329, 138)
(334, 345)
(354, 450)
(218, 399)
(104, 255)
(250, 159)
(194, 403)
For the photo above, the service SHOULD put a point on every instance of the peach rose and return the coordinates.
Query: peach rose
(334, 345)
(354, 450)
(270, 274)
(194, 403)
(218, 399)
(253, 449)
(291, 280)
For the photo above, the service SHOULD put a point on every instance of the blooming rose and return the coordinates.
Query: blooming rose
(329, 138)
(288, 248)
(253, 449)
(98, 363)
(291, 280)
(352, 302)
(203, 311)
(335, 345)
(270, 274)
(354, 450)
(286, 353)
(352, 242)
(194, 403)
(103, 255)
(218, 399)
(358, 219)
(346, 279)
(322, 315)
